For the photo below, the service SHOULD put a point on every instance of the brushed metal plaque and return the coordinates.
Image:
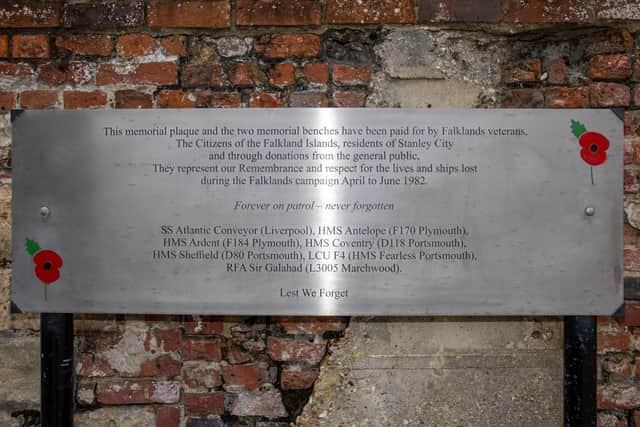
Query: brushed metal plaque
(318, 211)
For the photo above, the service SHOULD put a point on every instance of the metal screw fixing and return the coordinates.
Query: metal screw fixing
(589, 211)
(44, 212)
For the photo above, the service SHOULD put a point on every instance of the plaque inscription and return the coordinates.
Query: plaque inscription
(318, 211)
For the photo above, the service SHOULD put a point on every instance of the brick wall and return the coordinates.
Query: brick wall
(200, 371)
(195, 368)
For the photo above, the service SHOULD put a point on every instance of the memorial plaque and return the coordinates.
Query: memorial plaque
(318, 211)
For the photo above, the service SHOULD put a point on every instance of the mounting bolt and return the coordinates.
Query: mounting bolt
(589, 211)
(45, 212)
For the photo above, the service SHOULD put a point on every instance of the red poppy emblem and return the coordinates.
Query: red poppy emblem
(594, 148)
(48, 265)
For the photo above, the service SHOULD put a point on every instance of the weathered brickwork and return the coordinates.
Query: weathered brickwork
(258, 372)
(196, 367)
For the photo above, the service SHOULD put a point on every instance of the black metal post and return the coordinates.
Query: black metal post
(580, 373)
(56, 356)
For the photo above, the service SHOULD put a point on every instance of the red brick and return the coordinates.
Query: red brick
(217, 77)
(608, 324)
(38, 99)
(167, 416)
(610, 67)
(628, 124)
(174, 45)
(557, 73)
(15, 70)
(203, 325)
(630, 180)
(240, 74)
(607, 41)
(76, 99)
(52, 74)
(349, 98)
(346, 75)
(635, 76)
(175, 99)
(618, 9)
(278, 12)
(618, 396)
(92, 366)
(635, 95)
(567, 97)
(609, 95)
(282, 75)
(370, 12)
(265, 100)
(154, 73)
(4, 46)
(168, 367)
(202, 75)
(308, 99)
(104, 14)
(81, 361)
(201, 374)
(539, 11)
(135, 45)
(629, 150)
(288, 45)
(148, 368)
(459, 11)
(610, 420)
(523, 98)
(7, 101)
(219, 99)
(189, 14)
(235, 354)
(632, 123)
(201, 349)
(168, 340)
(204, 404)
(630, 235)
(133, 99)
(29, 14)
(86, 44)
(527, 71)
(316, 73)
(613, 342)
(250, 376)
(632, 259)
(137, 392)
(31, 46)
(298, 379)
(76, 72)
(293, 350)
(636, 151)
